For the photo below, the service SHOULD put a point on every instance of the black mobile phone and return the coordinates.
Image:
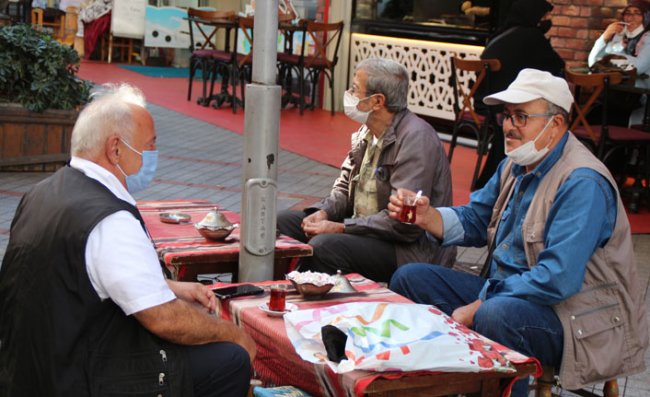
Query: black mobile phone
(239, 290)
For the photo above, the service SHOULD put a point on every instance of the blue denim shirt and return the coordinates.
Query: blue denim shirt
(581, 219)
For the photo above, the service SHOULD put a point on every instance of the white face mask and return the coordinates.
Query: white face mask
(350, 103)
(527, 153)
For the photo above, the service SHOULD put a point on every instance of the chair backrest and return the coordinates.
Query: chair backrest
(246, 26)
(127, 18)
(197, 20)
(324, 35)
(57, 24)
(463, 97)
(597, 84)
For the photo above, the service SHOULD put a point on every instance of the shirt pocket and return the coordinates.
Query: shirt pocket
(534, 238)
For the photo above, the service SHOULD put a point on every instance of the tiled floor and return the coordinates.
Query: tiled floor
(201, 161)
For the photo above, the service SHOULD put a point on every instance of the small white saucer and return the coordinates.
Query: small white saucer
(289, 307)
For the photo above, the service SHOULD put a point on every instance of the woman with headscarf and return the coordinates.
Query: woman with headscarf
(520, 43)
(627, 38)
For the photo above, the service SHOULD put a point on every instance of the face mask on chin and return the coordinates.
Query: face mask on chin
(527, 153)
(142, 179)
(350, 103)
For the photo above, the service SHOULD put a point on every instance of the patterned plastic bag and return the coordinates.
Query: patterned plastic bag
(396, 337)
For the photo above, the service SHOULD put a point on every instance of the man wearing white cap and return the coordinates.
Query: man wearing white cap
(561, 275)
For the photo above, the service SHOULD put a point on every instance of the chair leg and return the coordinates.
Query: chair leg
(479, 162)
(544, 384)
(331, 78)
(301, 89)
(242, 86)
(110, 47)
(314, 85)
(214, 70)
(234, 83)
(191, 78)
(452, 143)
(484, 137)
(130, 50)
(206, 72)
(286, 80)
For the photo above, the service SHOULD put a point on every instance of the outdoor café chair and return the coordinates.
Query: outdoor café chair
(483, 125)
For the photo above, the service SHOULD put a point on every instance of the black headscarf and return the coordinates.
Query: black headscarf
(527, 13)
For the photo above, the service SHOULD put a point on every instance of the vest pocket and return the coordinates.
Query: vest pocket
(599, 336)
(137, 374)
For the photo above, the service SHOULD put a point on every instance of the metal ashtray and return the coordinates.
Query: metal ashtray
(175, 217)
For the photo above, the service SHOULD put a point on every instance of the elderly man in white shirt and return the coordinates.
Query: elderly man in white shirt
(86, 307)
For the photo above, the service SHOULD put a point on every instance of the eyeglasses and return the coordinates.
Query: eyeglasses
(632, 14)
(519, 119)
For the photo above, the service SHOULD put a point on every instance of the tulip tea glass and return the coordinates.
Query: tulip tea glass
(277, 303)
(408, 210)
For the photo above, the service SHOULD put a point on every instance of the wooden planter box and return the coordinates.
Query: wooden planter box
(31, 141)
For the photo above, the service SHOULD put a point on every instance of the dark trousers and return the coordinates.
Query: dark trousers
(529, 328)
(374, 259)
(219, 370)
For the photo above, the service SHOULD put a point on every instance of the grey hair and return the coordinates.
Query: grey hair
(108, 114)
(387, 77)
(555, 109)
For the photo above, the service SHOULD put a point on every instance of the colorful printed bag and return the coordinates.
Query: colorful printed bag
(396, 337)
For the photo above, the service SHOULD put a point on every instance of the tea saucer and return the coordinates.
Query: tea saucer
(289, 307)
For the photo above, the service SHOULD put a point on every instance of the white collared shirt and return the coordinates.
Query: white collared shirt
(120, 259)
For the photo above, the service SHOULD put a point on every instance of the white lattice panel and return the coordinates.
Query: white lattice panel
(428, 63)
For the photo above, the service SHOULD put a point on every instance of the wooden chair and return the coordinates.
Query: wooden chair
(543, 386)
(310, 65)
(123, 35)
(289, 59)
(482, 126)
(205, 54)
(605, 139)
(241, 68)
(50, 18)
(70, 25)
(236, 67)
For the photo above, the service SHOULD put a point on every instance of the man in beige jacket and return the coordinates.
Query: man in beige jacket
(562, 283)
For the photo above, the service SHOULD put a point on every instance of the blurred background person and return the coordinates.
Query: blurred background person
(626, 38)
(629, 41)
(519, 44)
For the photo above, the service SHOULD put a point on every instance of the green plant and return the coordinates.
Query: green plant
(39, 72)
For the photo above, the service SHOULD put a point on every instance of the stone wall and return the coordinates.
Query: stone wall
(578, 23)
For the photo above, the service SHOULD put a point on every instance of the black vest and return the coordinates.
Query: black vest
(57, 338)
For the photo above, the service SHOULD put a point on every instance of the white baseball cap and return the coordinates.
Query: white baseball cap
(532, 84)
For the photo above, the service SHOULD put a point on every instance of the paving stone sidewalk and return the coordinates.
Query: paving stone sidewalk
(200, 161)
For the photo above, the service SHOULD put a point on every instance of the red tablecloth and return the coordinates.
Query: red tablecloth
(181, 245)
(277, 362)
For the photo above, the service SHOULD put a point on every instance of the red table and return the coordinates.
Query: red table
(185, 253)
(277, 363)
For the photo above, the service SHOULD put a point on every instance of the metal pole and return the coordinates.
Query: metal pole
(261, 132)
